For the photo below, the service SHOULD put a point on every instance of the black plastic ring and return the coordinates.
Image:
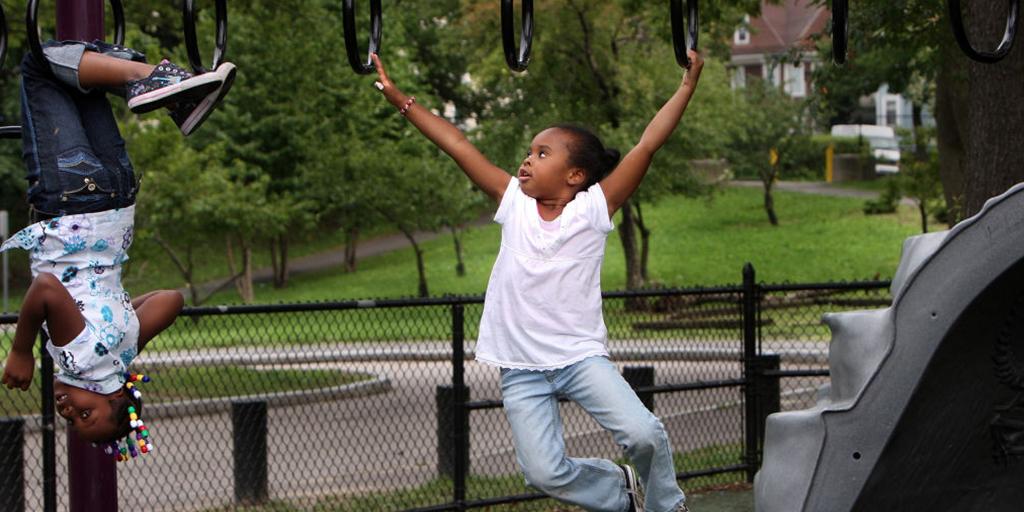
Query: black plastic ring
(348, 15)
(3, 36)
(684, 35)
(517, 61)
(32, 26)
(6, 132)
(220, 51)
(956, 17)
(840, 30)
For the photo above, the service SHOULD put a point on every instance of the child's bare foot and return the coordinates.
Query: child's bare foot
(169, 84)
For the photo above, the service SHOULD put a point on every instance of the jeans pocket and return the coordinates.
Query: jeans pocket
(83, 178)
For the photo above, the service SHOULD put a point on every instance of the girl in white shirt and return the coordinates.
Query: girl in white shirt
(542, 323)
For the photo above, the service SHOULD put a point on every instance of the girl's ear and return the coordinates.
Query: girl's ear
(577, 176)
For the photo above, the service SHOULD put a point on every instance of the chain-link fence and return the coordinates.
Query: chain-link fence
(378, 405)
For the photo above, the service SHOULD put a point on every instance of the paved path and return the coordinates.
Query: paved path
(809, 187)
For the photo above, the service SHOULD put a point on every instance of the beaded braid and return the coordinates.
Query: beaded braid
(141, 442)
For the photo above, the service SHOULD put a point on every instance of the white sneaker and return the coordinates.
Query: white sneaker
(634, 490)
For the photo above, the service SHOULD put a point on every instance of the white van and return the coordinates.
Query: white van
(882, 140)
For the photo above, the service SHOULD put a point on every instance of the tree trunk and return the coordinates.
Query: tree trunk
(951, 129)
(460, 265)
(645, 244)
(280, 259)
(351, 239)
(923, 210)
(420, 268)
(627, 235)
(995, 150)
(769, 201)
(184, 267)
(242, 279)
(920, 145)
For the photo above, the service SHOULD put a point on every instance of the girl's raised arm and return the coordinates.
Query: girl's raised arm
(489, 177)
(620, 184)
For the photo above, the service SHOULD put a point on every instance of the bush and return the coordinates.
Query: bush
(887, 201)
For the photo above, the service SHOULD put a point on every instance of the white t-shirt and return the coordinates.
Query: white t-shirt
(543, 305)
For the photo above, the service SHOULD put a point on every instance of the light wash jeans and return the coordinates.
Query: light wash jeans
(531, 404)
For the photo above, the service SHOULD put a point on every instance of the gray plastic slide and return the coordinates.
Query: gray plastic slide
(925, 409)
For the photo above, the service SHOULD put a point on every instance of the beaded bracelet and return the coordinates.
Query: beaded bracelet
(408, 104)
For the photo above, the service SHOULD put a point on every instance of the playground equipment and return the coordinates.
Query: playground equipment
(32, 26)
(348, 13)
(684, 33)
(840, 30)
(957, 20)
(683, 40)
(517, 61)
(6, 132)
(925, 410)
(192, 46)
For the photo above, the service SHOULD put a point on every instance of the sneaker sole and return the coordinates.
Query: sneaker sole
(195, 87)
(209, 103)
(632, 484)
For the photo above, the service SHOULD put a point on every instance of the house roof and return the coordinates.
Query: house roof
(783, 26)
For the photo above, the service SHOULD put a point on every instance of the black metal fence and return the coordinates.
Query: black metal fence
(379, 405)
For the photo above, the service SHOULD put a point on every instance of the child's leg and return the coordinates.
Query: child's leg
(156, 311)
(99, 70)
(65, 174)
(532, 409)
(596, 385)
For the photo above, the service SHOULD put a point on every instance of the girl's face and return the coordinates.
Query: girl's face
(545, 172)
(89, 413)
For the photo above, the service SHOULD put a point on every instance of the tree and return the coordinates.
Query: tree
(978, 107)
(772, 123)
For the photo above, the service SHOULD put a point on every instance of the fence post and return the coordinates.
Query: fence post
(249, 420)
(446, 442)
(750, 301)
(638, 377)
(12, 464)
(769, 398)
(459, 414)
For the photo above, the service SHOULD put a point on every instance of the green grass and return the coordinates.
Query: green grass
(694, 242)
(439, 490)
(175, 384)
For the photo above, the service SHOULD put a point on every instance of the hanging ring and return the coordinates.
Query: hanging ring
(32, 27)
(957, 19)
(840, 30)
(517, 61)
(684, 35)
(348, 15)
(220, 51)
(6, 132)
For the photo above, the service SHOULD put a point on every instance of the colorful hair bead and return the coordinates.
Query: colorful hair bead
(141, 442)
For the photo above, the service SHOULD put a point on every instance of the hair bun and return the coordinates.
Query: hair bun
(612, 156)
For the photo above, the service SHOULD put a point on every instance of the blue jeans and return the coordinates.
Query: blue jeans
(531, 404)
(75, 158)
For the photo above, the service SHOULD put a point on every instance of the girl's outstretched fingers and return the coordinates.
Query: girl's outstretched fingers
(383, 81)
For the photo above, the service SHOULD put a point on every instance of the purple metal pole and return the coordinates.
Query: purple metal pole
(92, 482)
(80, 20)
(92, 475)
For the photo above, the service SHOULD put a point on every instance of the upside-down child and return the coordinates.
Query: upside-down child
(82, 191)
(542, 323)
